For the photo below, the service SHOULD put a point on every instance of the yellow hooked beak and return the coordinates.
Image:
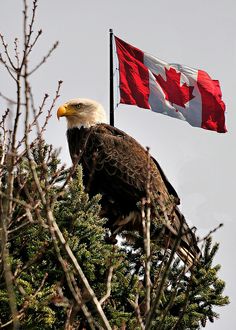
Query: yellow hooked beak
(62, 111)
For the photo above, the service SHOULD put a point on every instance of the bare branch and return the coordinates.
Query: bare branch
(156, 301)
(32, 261)
(35, 5)
(17, 54)
(108, 293)
(85, 310)
(78, 269)
(45, 58)
(49, 114)
(211, 232)
(4, 116)
(6, 265)
(17, 116)
(70, 278)
(34, 42)
(135, 306)
(28, 35)
(146, 223)
(55, 229)
(11, 101)
(26, 303)
(4, 145)
(5, 46)
(8, 68)
(30, 126)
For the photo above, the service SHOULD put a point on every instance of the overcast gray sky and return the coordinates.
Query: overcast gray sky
(200, 164)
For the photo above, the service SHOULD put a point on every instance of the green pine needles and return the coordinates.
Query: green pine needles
(116, 273)
(57, 270)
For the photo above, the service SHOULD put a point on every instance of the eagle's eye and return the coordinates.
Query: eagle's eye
(78, 105)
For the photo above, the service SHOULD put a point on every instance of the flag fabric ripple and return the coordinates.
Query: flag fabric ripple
(171, 89)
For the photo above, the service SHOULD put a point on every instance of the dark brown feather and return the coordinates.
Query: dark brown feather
(115, 165)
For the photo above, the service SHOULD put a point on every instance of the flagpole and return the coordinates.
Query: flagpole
(111, 80)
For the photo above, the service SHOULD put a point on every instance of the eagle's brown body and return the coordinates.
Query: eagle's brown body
(116, 166)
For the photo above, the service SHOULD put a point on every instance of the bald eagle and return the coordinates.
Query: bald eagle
(115, 166)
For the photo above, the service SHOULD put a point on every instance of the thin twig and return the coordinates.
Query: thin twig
(175, 284)
(9, 100)
(34, 42)
(45, 58)
(109, 278)
(53, 224)
(34, 122)
(148, 239)
(5, 45)
(185, 305)
(49, 114)
(70, 279)
(135, 306)
(9, 69)
(26, 304)
(16, 49)
(156, 302)
(6, 264)
(78, 270)
(27, 35)
(211, 232)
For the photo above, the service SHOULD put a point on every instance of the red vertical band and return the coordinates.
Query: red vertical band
(134, 76)
(213, 108)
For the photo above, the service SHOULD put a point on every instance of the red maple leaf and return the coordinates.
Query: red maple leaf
(174, 92)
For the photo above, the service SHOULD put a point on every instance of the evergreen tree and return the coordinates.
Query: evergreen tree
(44, 299)
(57, 270)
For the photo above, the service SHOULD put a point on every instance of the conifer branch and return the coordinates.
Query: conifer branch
(156, 300)
(53, 247)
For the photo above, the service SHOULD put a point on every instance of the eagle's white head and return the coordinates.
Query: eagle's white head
(82, 112)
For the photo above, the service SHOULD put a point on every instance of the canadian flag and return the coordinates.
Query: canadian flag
(171, 89)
